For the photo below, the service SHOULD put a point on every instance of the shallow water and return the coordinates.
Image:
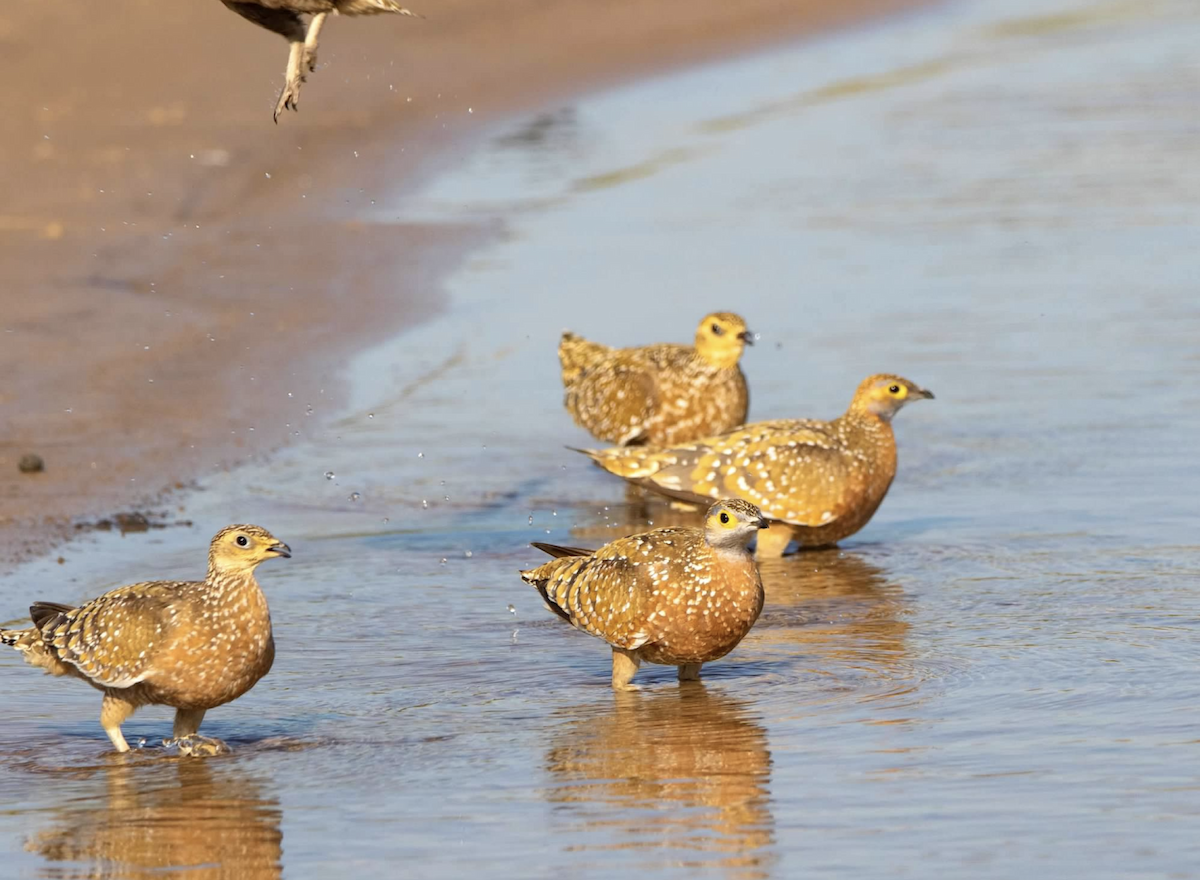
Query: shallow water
(997, 676)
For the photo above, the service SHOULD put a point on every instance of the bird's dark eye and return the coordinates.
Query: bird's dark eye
(242, 541)
(724, 517)
(895, 389)
(717, 330)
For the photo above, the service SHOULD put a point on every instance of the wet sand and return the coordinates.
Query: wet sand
(180, 272)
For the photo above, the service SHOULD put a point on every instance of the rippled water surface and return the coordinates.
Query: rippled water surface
(996, 678)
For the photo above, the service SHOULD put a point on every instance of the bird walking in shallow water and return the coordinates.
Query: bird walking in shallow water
(191, 645)
(284, 17)
(658, 394)
(819, 481)
(679, 597)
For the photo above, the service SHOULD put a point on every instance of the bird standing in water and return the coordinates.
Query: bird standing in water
(658, 394)
(192, 645)
(679, 597)
(284, 17)
(817, 482)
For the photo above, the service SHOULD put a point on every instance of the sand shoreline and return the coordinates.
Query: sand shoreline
(185, 278)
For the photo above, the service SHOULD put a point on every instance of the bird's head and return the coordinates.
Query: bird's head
(733, 523)
(884, 395)
(239, 549)
(721, 338)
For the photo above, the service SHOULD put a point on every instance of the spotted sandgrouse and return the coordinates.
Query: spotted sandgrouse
(676, 596)
(659, 394)
(821, 481)
(192, 645)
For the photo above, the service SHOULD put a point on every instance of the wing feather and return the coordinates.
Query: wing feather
(110, 640)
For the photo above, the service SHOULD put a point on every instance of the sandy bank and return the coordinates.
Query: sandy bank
(182, 278)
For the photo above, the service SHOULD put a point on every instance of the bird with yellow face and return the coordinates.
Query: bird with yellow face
(192, 645)
(675, 596)
(658, 394)
(817, 482)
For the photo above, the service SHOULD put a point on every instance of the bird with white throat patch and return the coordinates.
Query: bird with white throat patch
(675, 596)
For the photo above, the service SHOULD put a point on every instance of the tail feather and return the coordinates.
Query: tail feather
(42, 613)
(630, 462)
(558, 551)
(577, 354)
(10, 637)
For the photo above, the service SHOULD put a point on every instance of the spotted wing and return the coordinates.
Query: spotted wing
(611, 593)
(613, 400)
(797, 471)
(110, 639)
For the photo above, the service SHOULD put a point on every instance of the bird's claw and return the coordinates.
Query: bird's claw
(196, 746)
(289, 98)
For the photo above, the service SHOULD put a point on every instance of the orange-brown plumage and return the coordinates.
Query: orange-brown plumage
(679, 597)
(824, 480)
(658, 394)
(192, 645)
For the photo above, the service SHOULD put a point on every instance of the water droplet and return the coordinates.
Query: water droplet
(308, 410)
(554, 513)
(443, 560)
(354, 496)
(370, 415)
(512, 609)
(420, 455)
(385, 520)
(329, 475)
(468, 554)
(531, 519)
(425, 503)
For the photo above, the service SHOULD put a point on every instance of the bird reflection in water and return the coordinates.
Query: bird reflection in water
(169, 823)
(683, 773)
(843, 614)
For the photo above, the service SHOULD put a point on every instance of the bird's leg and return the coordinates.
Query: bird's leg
(773, 541)
(290, 95)
(113, 712)
(689, 671)
(187, 722)
(624, 665)
(188, 741)
(310, 40)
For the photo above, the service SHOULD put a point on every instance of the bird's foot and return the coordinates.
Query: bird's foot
(196, 746)
(290, 96)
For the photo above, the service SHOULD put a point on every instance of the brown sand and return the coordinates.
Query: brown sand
(163, 295)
